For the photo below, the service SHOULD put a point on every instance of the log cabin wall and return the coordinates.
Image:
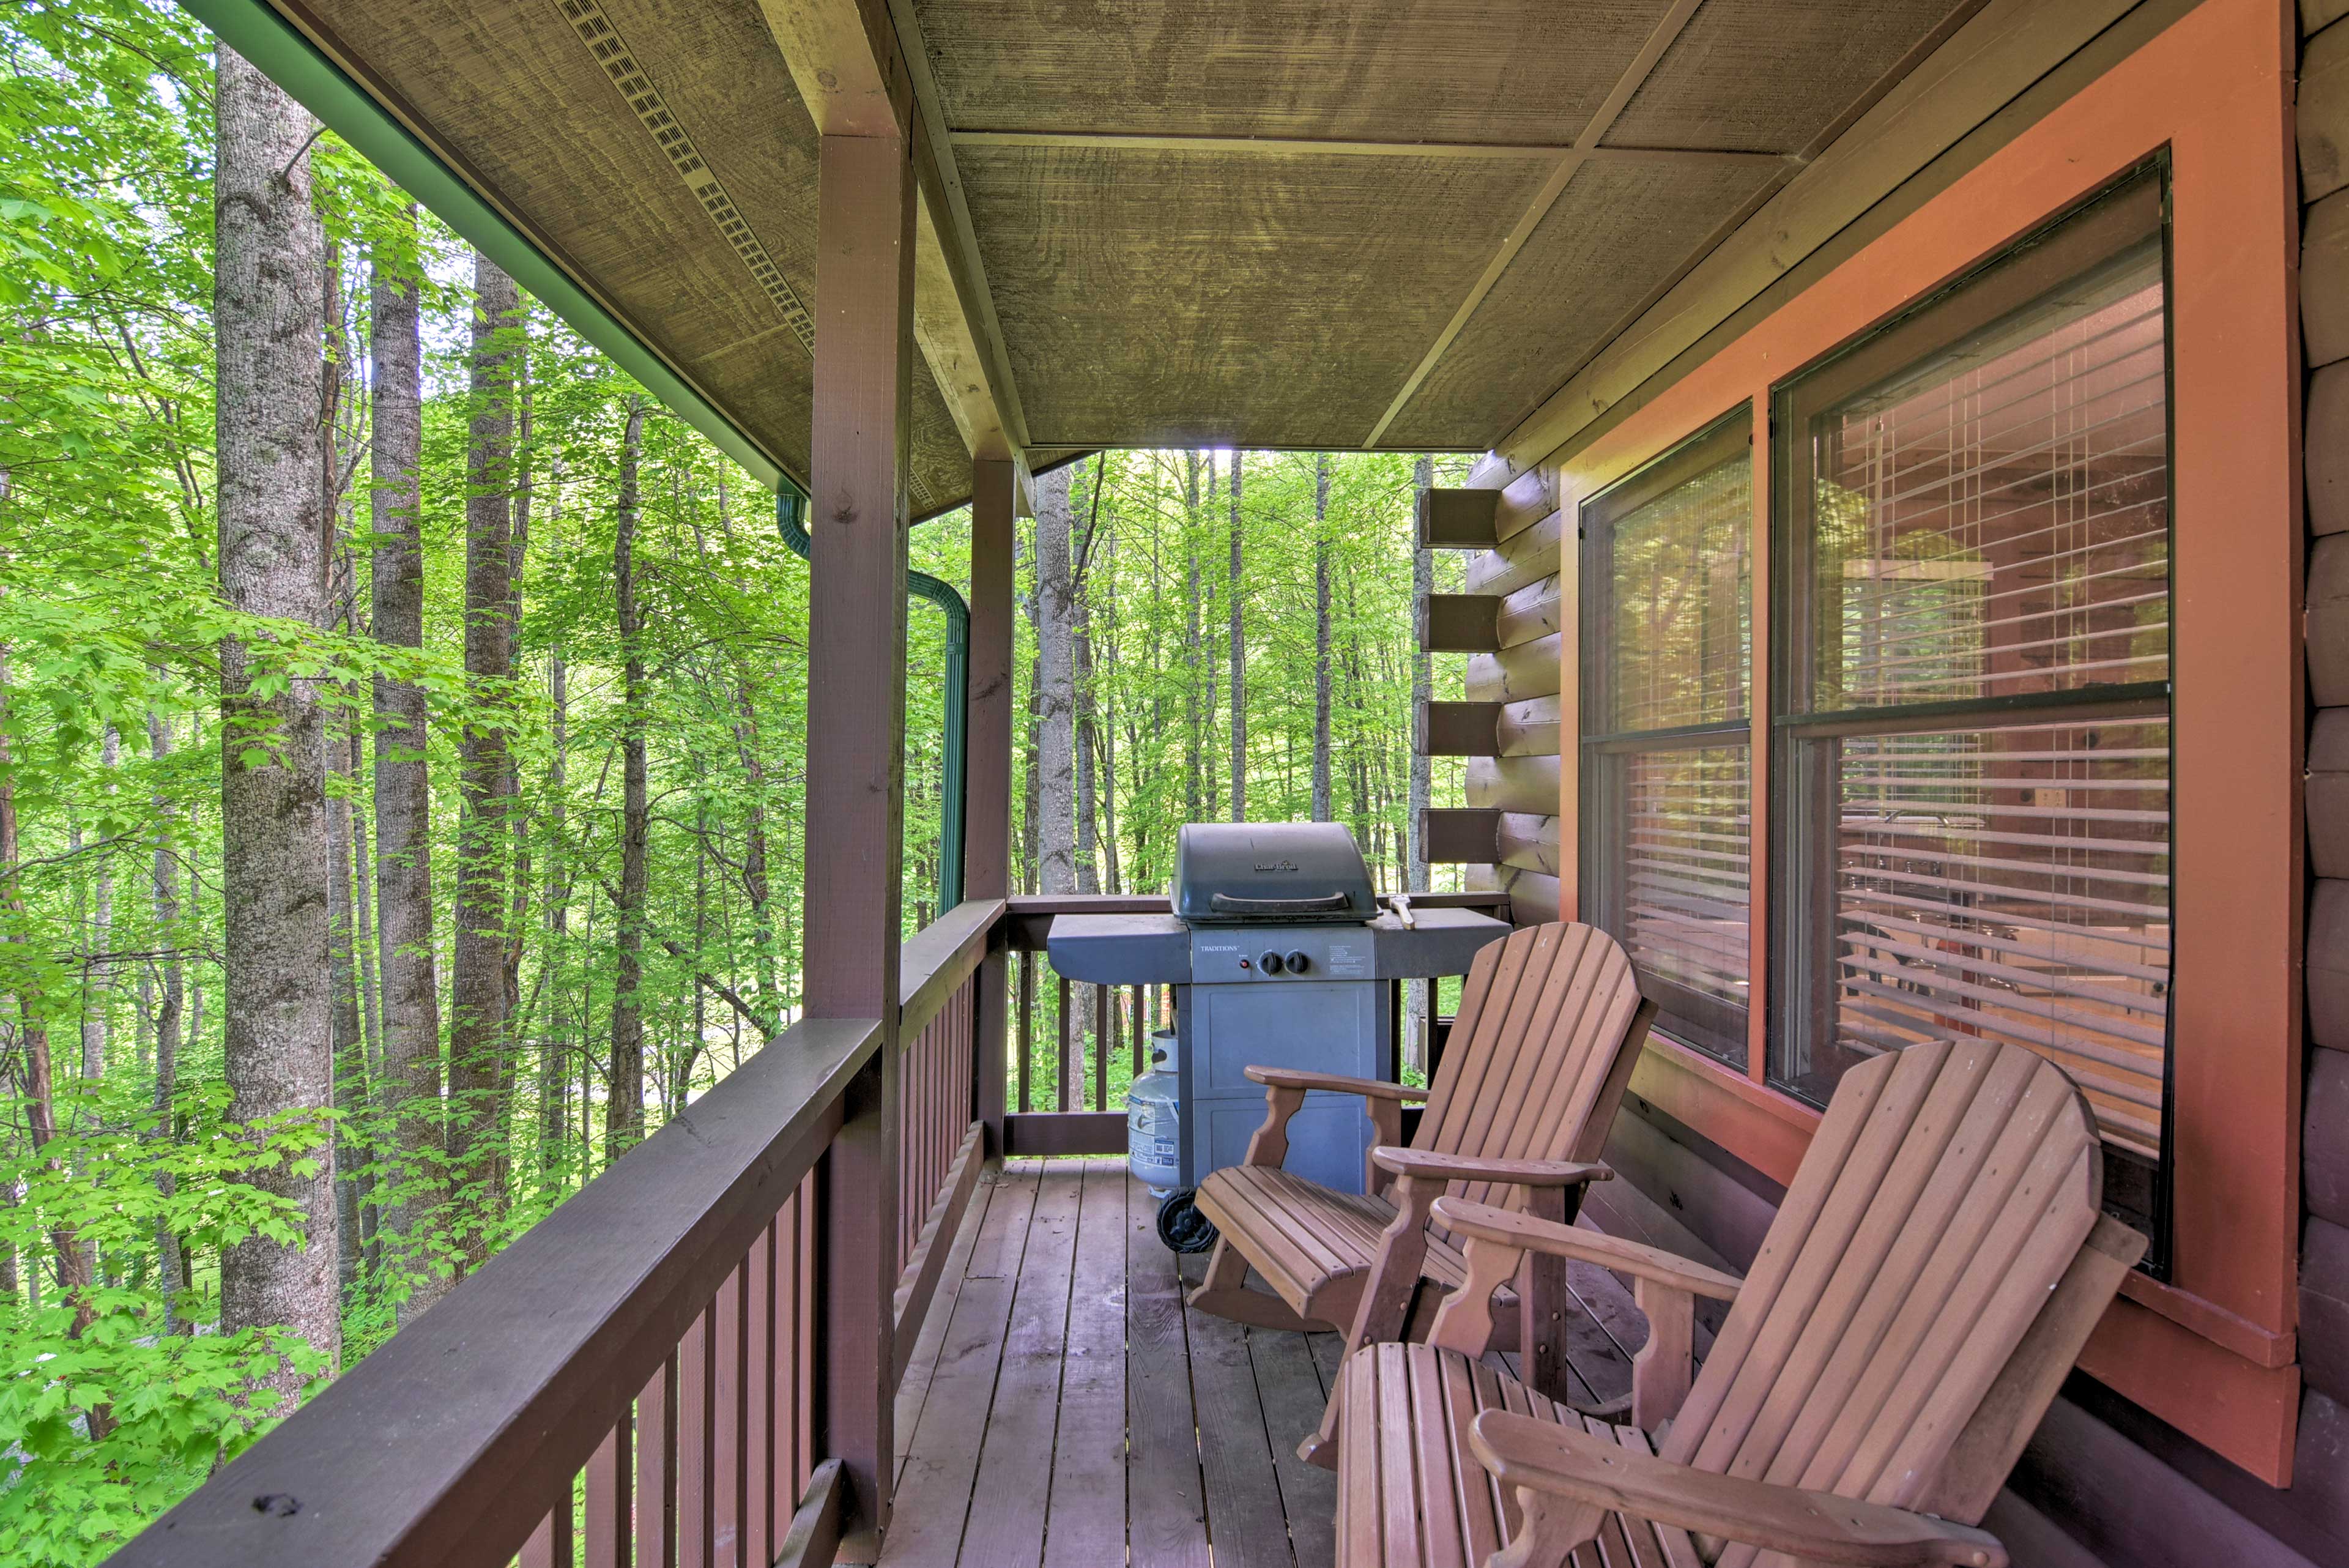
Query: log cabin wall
(1510, 622)
(2146, 1477)
(2322, 131)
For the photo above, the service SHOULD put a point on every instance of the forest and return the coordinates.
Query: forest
(527, 675)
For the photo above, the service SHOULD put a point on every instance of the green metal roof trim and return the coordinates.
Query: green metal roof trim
(259, 32)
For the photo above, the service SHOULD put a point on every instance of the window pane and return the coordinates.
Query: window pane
(2006, 884)
(1688, 822)
(1996, 523)
(1680, 628)
(1671, 650)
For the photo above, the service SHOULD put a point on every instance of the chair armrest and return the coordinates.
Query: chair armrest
(1507, 1227)
(1544, 1459)
(1336, 1083)
(1431, 1165)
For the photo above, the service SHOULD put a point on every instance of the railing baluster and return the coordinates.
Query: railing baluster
(657, 1469)
(609, 1541)
(1104, 998)
(804, 1363)
(549, 1545)
(1061, 1088)
(1141, 1030)
(695, 1410)
(1027, 1024)
(784, 1304)
(729, 1414)
(758, 1399)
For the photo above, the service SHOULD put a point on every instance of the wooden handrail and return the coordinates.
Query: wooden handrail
(935, 961)
(447, 1445)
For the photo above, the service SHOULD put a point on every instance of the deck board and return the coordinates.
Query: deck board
(1167, 1516)
(1006, 1523)
(1246, 1524)
(1291, 1388)
(941, 1464)
(1085, 1526)
(1064, 1409)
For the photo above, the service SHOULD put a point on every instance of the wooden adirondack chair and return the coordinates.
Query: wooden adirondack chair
(1549, 1025)
(1936, 1266)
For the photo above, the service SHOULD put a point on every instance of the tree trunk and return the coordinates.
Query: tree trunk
(350, 1045)
(1103, 716)
(1239, 655)
(1423, 583)
(1320, 637)
(98, 966)
(1194, 794)
(477, 983)
(370, 1059)
(164, 889)
(1211, 781)
(555, 1073)
(624, 1106)
(277, 1040)
(1056, 686)
(518, 877)
(411, 1078)
(363, 897)
(1088, 746)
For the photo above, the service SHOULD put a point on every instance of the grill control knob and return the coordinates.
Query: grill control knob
(1299, 963)
(1269, 963)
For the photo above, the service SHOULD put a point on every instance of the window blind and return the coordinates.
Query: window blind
(1975, 756)
(2003, 528)
(2012, 884)
(1670, 655)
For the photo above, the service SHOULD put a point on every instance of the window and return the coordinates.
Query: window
(1971, 773)
(1668, 656)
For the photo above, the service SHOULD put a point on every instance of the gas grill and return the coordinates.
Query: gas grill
(1280, 956)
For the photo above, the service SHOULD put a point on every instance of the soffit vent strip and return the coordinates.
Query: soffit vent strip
(603, 41)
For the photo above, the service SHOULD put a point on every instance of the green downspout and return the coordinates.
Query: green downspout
(791, 520)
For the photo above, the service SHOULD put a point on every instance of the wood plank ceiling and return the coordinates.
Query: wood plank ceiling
(1308, 224)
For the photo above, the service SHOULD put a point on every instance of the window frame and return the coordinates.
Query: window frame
(2123, 214)
(1726, 440)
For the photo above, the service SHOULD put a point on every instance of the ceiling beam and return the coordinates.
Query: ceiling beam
(958, 241)
(858, 77)
(844, 61)
(1568, 164)
(1315, 147)
(943, 330)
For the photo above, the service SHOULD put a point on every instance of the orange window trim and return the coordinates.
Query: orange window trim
(2210, 1351)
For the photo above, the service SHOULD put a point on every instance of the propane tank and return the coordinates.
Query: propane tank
(1154, 1147)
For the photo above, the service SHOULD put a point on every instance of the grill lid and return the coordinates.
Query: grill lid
(1294, 873)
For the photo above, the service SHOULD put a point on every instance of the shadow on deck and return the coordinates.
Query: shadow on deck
(1063, 1409)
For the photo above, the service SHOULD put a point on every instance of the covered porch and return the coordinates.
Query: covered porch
(869, 1299)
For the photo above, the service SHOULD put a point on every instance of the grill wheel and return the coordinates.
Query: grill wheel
(1181, 1225)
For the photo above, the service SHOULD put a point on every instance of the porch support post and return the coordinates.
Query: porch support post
(855, 790)
(987, 855)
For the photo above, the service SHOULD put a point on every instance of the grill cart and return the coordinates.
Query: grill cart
(1280, 956)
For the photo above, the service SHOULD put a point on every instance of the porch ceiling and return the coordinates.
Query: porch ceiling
(1153, 215)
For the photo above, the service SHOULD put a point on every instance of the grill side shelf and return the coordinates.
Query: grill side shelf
(1121, 950)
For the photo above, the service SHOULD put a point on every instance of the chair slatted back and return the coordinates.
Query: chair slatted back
(1946, 1194)
(1537, 1058)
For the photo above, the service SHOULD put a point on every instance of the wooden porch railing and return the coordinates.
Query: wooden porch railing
(639, 1379)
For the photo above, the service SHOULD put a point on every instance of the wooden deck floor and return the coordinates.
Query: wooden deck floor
(1064, 1409)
